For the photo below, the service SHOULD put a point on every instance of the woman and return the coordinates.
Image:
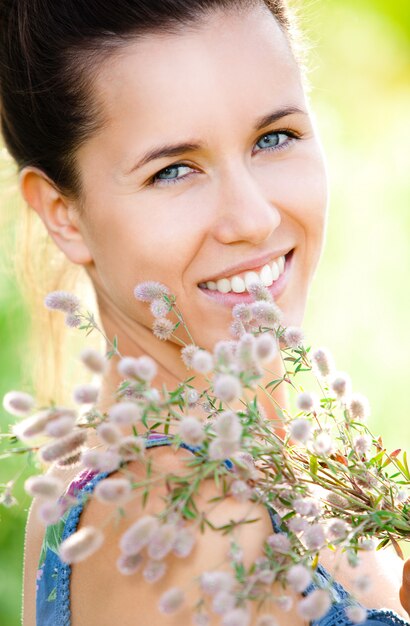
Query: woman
(168, 141)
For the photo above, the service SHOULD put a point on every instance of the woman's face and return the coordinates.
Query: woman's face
(247, 191)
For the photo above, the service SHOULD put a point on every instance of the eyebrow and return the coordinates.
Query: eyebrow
(171, 150)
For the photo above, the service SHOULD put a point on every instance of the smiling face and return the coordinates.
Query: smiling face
(250, 189)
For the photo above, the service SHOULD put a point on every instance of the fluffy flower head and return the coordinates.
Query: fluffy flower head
(62, 301)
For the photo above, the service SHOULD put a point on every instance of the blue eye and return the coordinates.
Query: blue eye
(279, 140)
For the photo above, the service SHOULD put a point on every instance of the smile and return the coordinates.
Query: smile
(239, 283)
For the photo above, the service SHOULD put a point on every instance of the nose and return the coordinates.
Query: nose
(245, 213)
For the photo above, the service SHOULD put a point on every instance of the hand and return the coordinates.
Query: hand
(405, 587)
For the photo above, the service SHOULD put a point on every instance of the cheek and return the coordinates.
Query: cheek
(143, 241)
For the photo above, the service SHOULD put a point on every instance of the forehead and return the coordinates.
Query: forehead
(230, 65)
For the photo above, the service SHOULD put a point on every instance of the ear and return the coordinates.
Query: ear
(59, 215)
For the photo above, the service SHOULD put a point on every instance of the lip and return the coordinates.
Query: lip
(254, 264)
(231, 298)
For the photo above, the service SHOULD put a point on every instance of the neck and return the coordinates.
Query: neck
(171, 369)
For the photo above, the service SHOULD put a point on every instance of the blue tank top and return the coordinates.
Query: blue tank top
(53, 576)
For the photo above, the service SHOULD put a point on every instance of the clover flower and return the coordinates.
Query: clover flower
(62, 301)
(242, 312)
(362, 583)
(72, 320)
(224, 353)
(128, 564)
(323, 443)
(337, 529)
(93, 360)
(171, 601)
(241, 491)
(202, 361)
(81, 544)
(47, 487)
(131, 448)
(214, 581)
(293, 337)
(341, 384)
(356, 614)
(107, 461)
(63, 447)
(138, 535)
(18, 403)
(315, 605)
(60, 426)
(279, 543)
(259, 292)
(150, 291)
(162, 541)
(154, 571)
(187, 354)
(191, 397)
(126, 412)
(184, 543)
(227, 387)
(301, 430)
(50, 512)
(113, 490)
(200, 619)
(109, 433)
(307, 402)
(266, 313)
(163, 328)
(265, 347)
(86, 393)
(236, 617)
(32, 426)
(237, 329)
(299, 577)
(159, 308)
(323, 361)
(314, 537)
(362, 444)
(222, 602)
(359, 407)
(228, 426)
(191, 431)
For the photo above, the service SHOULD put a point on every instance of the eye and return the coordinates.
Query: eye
(277, 140)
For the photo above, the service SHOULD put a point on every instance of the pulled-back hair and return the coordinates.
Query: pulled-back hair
(50, 51)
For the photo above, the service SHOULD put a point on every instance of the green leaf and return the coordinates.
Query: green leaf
(313, 465)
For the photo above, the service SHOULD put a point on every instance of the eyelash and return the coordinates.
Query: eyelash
(161, 182)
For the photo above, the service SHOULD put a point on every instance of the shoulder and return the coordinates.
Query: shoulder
(383, 568)
(131, 599)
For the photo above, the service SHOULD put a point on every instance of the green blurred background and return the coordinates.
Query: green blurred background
(360, 303)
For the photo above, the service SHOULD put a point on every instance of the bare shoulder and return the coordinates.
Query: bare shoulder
(101, 594)
(384, 570)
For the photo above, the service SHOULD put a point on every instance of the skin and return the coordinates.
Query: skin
(239, 202)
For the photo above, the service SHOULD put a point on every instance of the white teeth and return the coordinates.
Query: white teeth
(250, 278)
(223, 285)
(266, 276)
(275, 270)
(238, 284)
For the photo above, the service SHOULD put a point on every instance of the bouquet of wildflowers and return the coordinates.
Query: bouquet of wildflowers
(327, 480)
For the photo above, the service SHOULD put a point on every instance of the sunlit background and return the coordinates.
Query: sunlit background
(360, 304)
